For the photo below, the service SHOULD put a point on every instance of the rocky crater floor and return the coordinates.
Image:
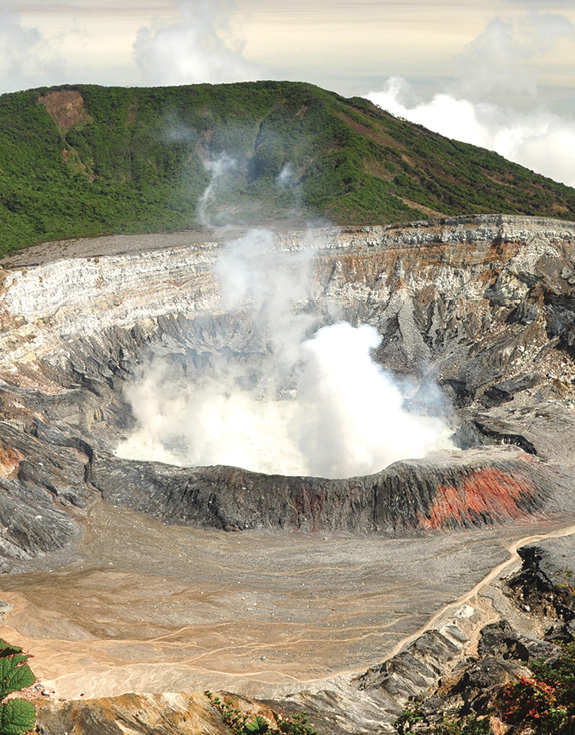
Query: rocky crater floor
(124, 575)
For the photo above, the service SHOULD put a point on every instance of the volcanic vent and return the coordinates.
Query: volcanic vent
(102, 349)
(266, 385)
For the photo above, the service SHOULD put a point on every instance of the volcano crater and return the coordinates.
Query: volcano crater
(123, 578)
(482, 304)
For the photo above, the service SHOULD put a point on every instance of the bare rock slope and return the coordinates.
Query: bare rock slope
(484, 306)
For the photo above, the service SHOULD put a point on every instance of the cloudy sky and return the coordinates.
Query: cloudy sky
(500, 74)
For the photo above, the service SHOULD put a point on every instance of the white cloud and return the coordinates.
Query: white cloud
(199, 47)
(498, 62)
(495, 66)
(27, 57)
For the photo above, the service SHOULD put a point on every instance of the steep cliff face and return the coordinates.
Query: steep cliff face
(484, 298)
(483, 305)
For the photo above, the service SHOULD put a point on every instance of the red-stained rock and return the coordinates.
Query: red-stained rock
(487, 493)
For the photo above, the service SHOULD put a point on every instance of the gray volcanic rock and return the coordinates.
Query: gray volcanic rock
(416, 669)
(540, 585)
(44, 492)
(449, 490)
(482, 304)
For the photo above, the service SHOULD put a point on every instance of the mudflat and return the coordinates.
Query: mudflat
(148, 607)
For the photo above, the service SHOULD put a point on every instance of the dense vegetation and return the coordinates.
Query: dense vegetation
(85, 160)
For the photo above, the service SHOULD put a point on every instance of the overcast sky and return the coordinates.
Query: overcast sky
(501, 74)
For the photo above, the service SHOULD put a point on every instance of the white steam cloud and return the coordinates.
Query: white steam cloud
(199, 47)
(295, 405)
(352, 419)
(219, 170)
(346, 416)
(254, 272)
(496, 67)
(286, 177)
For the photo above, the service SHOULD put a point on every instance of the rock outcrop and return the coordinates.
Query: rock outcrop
(483, 304)
(451, 490)
(162, 714)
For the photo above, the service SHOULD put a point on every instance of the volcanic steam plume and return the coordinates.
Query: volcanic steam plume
(298, 398)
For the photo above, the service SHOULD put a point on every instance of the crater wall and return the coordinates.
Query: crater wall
(482, 305)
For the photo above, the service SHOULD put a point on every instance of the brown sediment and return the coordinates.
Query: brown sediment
(156, 608)
(65, 107)
(9, 460)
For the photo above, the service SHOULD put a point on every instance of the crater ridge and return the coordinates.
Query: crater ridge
(483, 305)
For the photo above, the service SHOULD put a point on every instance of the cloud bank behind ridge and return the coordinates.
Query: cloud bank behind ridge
(198, 47)
(495, 67)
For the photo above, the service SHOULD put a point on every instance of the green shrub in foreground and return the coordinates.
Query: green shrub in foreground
(17, 716)
(544, 700)
(240, 724)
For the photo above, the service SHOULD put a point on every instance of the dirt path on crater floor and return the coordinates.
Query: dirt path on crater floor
(473, 597)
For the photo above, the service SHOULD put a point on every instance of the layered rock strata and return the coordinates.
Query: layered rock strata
(482, 304)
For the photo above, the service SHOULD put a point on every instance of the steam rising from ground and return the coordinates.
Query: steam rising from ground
(296, 402)
(219, 170)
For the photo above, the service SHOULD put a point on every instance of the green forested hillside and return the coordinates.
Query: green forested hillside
(84, 160)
